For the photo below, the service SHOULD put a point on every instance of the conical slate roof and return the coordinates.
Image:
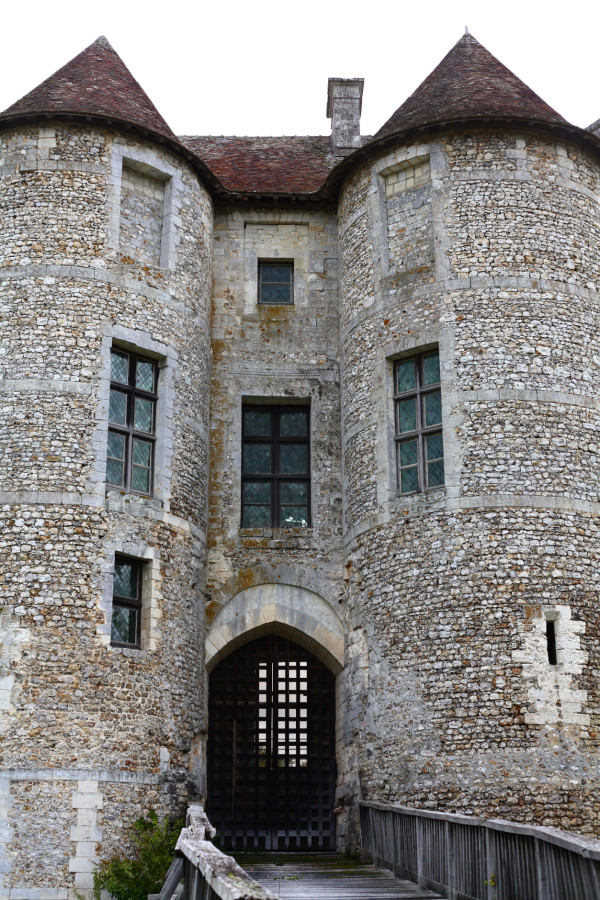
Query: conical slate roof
(95, 83)
(469, 83)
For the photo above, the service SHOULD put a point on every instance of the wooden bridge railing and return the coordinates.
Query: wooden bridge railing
(467, 858)
(207, 873)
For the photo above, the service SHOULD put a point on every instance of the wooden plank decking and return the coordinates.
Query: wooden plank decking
(327, 877)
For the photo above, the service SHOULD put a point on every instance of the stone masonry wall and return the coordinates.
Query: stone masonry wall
(94, 735)
(141, 220)
(450, 590)
(408, 203)
(269, 354)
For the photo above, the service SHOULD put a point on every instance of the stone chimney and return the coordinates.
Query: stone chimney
(344, 104)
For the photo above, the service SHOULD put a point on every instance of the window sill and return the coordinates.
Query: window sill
(277, 538)
(440, 490)
(420, 501)
(133, 652)
(277, 532)
(118, 500)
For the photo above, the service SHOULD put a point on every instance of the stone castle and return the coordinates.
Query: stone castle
(300, 469)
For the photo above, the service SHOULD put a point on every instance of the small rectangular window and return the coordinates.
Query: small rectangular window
(275, 466)
(275, 282)
(418, 422)
(131, 417)
(125, 626)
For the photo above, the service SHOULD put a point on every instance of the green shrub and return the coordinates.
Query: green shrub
(141, 872)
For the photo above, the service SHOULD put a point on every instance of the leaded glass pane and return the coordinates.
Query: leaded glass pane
(117, 408)
(294, 516)
(276, 293)
(116, 445)
(257, 459)
(409, 480)
(140, 480)
(115, 472)
(123, 626)
(407, 415)
(294, 492)
(142, 417)
(119, 367)
(257, 492)
(433, 408)
(276, 273)
(256, 517)
(435, 473)
(431, 369)
(293, 424)
(126, 577)
(142, 452)
(144, 375)
(435, 446)
(405, 376)
(293, 459)
(257, 422)
(408, 453)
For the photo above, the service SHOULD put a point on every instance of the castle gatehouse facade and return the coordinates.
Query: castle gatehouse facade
(299, 470)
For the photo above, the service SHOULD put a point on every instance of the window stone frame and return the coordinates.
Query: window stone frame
(275, 247)
(422, 431)
(281, 263)
(151, 593)
(166, 357)
(276, 478)
(129, 603)
(250, 389)
(390, 500)
(128, 430)
(148, 162)
(393, 161)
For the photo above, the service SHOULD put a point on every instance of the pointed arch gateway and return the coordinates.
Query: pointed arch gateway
(271, 744)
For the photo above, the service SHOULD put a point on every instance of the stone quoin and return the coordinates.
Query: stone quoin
(339, 391)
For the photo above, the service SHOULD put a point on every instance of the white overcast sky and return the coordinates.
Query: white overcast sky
(261, 66)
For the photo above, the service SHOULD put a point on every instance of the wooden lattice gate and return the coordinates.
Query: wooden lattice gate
(271, 751)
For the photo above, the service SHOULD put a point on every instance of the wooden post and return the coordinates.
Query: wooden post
(396, 824)
(490, 865)
(452, 885)
(419, 851)
(543, 876)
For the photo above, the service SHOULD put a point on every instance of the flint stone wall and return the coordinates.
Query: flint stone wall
(94, 735)
(451, 589)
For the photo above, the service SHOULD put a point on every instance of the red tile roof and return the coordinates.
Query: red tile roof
(469, 83)
(266, 165)
(96, 82)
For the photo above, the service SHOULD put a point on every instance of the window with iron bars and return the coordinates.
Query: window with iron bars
(418, 418)
(131, 421)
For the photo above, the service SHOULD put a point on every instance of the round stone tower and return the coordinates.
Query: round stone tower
(470, 270)
(105, 276)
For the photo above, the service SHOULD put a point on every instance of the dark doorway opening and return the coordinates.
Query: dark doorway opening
(271, 748)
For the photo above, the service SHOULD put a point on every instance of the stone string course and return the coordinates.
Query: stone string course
(445, 696)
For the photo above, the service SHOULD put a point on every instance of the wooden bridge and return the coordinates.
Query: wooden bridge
(417, 854)
(327, 877)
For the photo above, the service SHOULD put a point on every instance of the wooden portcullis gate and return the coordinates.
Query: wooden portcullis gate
(271, 748)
